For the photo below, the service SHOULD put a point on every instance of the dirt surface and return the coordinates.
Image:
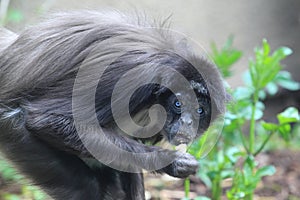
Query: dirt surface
(284, 185)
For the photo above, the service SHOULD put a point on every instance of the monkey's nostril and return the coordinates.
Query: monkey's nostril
(190, 122)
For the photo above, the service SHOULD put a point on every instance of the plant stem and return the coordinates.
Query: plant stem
(252, 124)
(187, 188)
(250, 196)
(264, 143)
(216, 188)
(252, 135)
(242, 136)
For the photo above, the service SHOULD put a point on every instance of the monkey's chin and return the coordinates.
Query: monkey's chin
(180, 139)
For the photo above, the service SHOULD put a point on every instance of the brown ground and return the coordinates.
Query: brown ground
(284, 185)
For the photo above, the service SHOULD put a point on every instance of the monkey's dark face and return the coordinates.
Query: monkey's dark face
(186, 121)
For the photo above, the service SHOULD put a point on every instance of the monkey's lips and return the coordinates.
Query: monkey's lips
(181, 138)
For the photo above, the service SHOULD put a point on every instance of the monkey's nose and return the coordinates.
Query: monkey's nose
(187, 120)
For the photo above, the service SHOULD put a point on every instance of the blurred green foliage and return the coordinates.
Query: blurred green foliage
(245, 134)
(10, 176)
(225, 57)
(14, 16)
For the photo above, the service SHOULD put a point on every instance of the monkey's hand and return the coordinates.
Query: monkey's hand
(183, 166)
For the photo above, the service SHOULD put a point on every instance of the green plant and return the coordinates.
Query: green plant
(234, 155)
(225, 57)
(9, 14)
(9, 175)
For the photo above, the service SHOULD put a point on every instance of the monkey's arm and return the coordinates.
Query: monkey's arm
(178, 164)
(62, 134)
(58, 173)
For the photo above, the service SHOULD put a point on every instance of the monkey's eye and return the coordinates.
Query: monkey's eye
(200, 110)
(177, 104)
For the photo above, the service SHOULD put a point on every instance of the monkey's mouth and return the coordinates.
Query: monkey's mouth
(181, 138)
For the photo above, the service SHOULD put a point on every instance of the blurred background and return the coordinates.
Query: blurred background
(205, 22)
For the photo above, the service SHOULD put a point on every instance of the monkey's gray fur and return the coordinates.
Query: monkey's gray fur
(37, 73)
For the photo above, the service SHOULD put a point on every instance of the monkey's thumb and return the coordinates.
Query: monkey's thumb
(6, 38)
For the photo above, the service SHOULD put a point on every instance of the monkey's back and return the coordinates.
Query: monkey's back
(53, 50)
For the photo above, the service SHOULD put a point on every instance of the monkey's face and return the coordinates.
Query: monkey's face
(186, 121)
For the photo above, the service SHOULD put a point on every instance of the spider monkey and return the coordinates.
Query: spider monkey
(38, 129)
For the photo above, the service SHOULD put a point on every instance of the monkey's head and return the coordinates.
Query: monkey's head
(189, 108)
(186, 99)
(187, 119)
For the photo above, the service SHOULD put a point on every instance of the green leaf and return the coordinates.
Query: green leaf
(285, 131)
(227, 174)
(289, 115)
(225, 57)
(286, 51)
(265, 171)
(258, 114)
(247, 78)
(266, 47)
(272, 88)
(285, 80)
(269, 126)
(241, 93)
(262, 94)
(290, 85)
(233, 154)
(251, 163)
(205, 179)
(265, 67)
